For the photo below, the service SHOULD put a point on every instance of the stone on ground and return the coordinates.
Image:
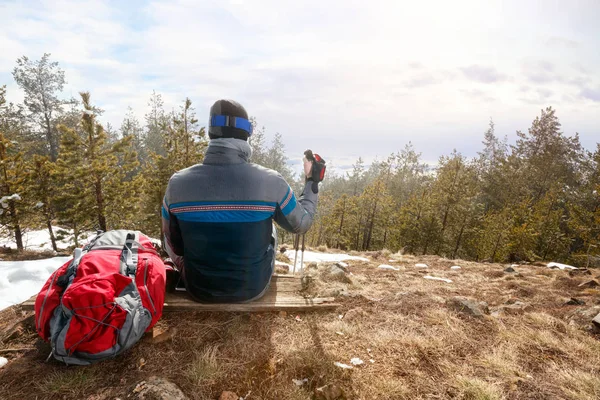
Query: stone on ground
(589, 284)
(335, 273)
(156, 388)
(468, 306)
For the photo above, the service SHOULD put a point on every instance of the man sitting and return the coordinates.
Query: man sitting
(217, 216)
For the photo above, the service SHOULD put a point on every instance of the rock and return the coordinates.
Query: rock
(353, 314)
(585, 314)
(385, 266)
(156, 388)
(574, 302)
(335, 273)
(3, 362)
(164, 336)
(510, 269)
(517, 308)
(282, 249)
(468, 306)
(596, 321)
(228, 396)
(312, 265)
(576, 272)
(589, 284)
(435, 278)
(342, 265)
(329, 392)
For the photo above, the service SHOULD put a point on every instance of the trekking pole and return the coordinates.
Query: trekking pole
(302, 255)
(296, 245)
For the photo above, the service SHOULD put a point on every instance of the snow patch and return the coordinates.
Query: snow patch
(455, 267)
(356, 361)
(40, 240)
(343, 366)
(3, 362)
(312, 256)
(385, 266)
(555, 265)
(5, 199)
(19, 280)
(435, 278)
(421, 266)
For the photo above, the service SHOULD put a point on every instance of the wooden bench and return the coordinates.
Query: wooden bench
(284, 294)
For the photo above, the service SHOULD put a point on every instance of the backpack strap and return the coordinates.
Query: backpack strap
(129, 256)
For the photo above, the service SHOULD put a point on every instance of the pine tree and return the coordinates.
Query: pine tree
(92, 177)
(41, 183)
(12, 186)
(42, 81)
(156, 121)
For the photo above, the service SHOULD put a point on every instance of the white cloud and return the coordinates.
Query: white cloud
(346, 76)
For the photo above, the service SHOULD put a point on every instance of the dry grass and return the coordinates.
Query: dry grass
(420, 348)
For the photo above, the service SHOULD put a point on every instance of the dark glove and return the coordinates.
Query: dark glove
(317, 171)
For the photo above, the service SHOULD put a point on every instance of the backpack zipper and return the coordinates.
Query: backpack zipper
(146, 286)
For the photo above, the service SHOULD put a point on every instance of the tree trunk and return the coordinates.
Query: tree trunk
(496, 246)
(75, 234)
(51, 139)
(16, 225)
(100, 205)
(52, 237)
(462, 228)
(428, 237)
(341, 223)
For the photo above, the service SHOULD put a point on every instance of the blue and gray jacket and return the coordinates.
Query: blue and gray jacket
(218, 216)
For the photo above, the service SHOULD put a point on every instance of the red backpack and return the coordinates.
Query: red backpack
(102, 301)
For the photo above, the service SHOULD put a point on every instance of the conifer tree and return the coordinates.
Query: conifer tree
(92, 178)
(12, 186)
(41, 183)
(42, 81)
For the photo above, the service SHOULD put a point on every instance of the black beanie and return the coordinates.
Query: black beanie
(227, 108)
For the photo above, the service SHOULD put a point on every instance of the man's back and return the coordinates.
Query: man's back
(218, 216)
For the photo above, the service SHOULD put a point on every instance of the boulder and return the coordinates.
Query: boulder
(335, 273)
(468, 306)
(510, 269)
(156, 388)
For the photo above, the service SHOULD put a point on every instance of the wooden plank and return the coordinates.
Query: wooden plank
(264, 304)
(283, 294)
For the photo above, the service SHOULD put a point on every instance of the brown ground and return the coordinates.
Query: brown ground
(421, 348)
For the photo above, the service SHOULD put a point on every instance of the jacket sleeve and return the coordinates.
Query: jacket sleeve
(173, 243)
(295, 215)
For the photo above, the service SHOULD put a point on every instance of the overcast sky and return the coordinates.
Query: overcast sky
(345, 78)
